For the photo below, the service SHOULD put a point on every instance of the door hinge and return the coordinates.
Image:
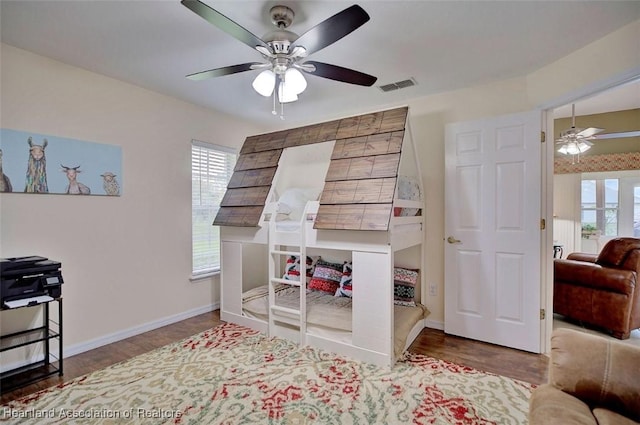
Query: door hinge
(543, 137)
(543, 314)
(543, 224)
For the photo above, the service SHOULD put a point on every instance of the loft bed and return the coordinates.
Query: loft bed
(337, 200)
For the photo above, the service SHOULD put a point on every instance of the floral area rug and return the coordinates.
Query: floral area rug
(234, 375)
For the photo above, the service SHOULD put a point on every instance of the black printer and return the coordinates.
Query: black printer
(25, 278)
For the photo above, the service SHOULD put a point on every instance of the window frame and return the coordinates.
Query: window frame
(601, 206)
(202, 273)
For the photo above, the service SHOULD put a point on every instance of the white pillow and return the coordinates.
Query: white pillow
(294, 200)
(283, 208)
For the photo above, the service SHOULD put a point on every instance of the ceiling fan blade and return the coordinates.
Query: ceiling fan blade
(338, 73)
(590, 132)
(620, 135)
(332, 29)
(219, 72)
(225, 24)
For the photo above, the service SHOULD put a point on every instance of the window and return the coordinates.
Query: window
(211, 169)
(600, 207)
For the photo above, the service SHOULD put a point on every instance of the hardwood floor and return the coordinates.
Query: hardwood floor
(490, 358)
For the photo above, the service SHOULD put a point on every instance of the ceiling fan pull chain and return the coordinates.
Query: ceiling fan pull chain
(278, 88)
(273, 111)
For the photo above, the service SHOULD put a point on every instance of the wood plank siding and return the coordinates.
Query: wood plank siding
(250, 178)
(359, 185)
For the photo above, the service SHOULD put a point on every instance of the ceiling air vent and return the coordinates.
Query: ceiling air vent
(398, 85)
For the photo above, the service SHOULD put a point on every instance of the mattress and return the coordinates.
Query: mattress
(288, 226)
(328, 315)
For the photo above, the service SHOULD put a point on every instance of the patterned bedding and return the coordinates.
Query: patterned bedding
(327, 311)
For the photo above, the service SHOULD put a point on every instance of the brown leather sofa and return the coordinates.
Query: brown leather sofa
(601, 290)
(592, 380)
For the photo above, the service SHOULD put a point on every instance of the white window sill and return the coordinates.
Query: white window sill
(203, 276)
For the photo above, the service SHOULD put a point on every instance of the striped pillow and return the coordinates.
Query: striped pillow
(326, 277)
(404, 286)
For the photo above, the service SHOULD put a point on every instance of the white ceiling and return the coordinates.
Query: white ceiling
(444, 45)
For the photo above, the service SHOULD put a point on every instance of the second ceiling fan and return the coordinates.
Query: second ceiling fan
(575, 141)
(285, 51)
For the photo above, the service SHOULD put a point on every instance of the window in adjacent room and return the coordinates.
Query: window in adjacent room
(211, 169)
(600, 207)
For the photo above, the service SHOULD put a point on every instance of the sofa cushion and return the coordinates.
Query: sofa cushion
(607, 417)
(550, 406)
(599, 371)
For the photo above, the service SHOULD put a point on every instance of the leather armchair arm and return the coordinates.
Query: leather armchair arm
(583, 256)
(598, 371)
(594, 276)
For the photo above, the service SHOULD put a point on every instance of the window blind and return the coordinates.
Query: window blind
(211, 169)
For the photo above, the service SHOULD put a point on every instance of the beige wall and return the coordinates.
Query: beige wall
(127, 260)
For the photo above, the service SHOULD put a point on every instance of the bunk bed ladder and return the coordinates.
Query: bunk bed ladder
(286, 321)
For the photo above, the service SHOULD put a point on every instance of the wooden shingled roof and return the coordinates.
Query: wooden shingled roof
(359, 185)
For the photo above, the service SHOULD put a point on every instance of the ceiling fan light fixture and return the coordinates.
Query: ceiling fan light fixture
(283, 50)
(295, 81)
(286, 93)
(574, 148)
(576, 141)
(264, 83)
(583, 147)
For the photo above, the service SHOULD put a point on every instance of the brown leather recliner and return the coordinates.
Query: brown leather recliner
(592, 380)
(601, 290)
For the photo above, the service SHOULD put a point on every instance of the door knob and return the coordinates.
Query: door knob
(451, 239)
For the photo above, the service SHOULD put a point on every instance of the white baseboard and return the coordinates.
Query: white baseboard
(114, 337)
(72, 350)
(433, 324)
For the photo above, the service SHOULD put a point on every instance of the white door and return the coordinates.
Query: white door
(492, 230)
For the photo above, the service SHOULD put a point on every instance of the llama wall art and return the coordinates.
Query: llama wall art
(36, 181)
(87, 168)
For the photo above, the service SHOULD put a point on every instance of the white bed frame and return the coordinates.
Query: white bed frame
(373, 254)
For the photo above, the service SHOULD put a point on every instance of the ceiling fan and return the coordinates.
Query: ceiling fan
(285, 51)
(575, 141)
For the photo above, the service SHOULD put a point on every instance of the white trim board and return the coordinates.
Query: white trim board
(114, 337)
(434, 324)
(136, 330)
